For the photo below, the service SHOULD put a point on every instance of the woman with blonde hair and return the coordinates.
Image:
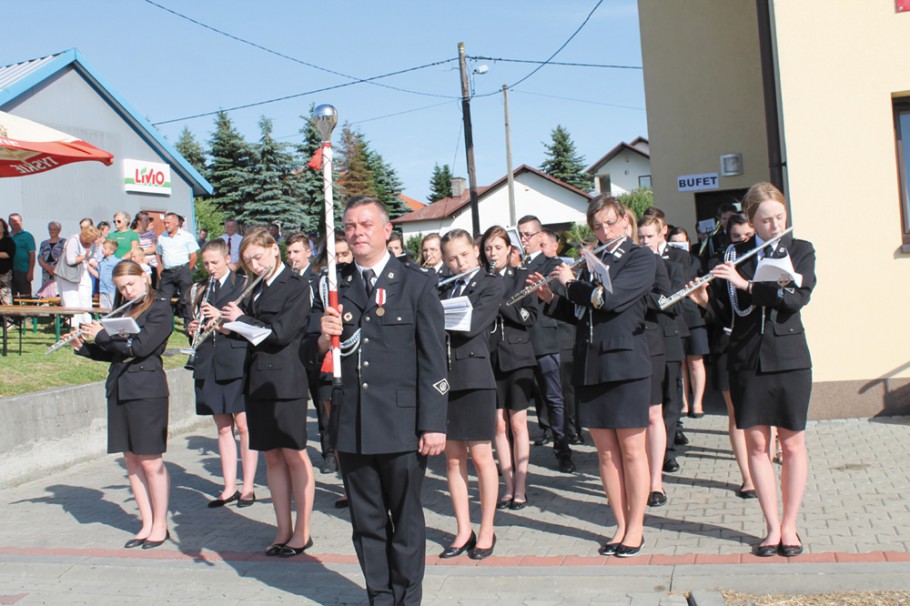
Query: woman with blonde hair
(74, 282)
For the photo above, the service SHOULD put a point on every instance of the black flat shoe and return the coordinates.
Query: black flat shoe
(133, 543)
(624, 551)
(696, 415)
(222, 502)
(504, 504)
(518, 505)
(274, 549)
(671, 466)
(680, 439)
(789, 551)
(608, 549)
(153, 544)
(766, 551)
(657, 499)
(451, 551)
(479, 554)
(746, 494)
(342, 503)
(246, 502)
(289, 552)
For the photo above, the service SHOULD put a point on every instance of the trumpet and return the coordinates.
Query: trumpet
(78, 333)
(665, 302)
(530, 289)
(191, 361)
(205, 334)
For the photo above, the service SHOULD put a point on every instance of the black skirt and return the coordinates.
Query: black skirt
(277, 423)
(471, 415)
(219, 397)
(614, 405)
(137, 426)
(658, 372)
(696, 344)
(514, 389)
(778, 399)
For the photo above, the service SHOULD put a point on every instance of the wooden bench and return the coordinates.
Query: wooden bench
(40, 311)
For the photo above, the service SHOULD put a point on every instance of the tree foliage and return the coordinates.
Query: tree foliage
(231, 168)
(387, 184)
(440, 183)
(639, 200)
(354, 173)
(563, 161)
(191, 150)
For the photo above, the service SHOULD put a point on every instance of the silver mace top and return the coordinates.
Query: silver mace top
(324, 119)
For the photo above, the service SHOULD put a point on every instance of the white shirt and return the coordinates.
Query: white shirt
(233, 243)
(377, 269)
(176, 250)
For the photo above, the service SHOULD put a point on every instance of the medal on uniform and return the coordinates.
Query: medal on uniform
(348, 317)
(380, 301)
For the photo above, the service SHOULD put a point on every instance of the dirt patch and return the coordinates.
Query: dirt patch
(863, 598)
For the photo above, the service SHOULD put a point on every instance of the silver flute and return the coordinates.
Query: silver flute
(451, 279)
(78, 333)
(665, 302)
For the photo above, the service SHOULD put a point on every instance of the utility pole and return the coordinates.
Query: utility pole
(511, 178)
(468, 138)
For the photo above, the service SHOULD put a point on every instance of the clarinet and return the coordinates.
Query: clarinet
(191, 361)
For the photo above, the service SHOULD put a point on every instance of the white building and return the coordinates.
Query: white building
(558, 205)
(625, 168)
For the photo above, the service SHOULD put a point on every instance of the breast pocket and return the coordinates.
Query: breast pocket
(398, 329)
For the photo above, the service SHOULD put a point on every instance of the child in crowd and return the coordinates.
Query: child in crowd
(106, 289)
(137, 254)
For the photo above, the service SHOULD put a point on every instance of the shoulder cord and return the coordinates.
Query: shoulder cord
(350, 345)
(730, 255)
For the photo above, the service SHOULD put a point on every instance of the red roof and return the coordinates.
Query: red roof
(411, 202)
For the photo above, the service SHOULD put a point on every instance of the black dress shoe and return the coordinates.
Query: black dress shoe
(246, 502)
(789, 551)
(657, 499)
(342, 503)
(624, 551)
(133, 543)
(608, 549)
(451, 551)
(289, 552)
(746, 494)
(680, 439)
(543, 439)
(505, 503)
(566, 465)
(329, 464)
(478, 554)
(766, 551)
(517, 505)
(577, 440)
(671, 466)
(274, 549)
(695, 415)
(222, 502)
(153, 544)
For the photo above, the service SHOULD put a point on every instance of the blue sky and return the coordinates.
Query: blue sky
(169, 68)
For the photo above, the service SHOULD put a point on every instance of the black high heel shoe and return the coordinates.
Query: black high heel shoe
(289, 552)
(479, 554)
(153, 544)
(451, 551)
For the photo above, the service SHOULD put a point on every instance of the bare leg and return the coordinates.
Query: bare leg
(696, 366)
(303, 486)
(279, 479)
(687, 383)
(139, 488)
(738, 443)
(248, 458)
(227, 449)
(633, 447)
(457, 476)
(657, 446)
(521, 446)
(757, 444)
(158, 483)
(504, 454)
(794, 475)
(611, 476)
(488, 482)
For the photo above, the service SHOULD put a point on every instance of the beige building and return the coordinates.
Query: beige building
(814, 96)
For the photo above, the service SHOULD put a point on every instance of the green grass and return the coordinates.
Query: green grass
(33, 371)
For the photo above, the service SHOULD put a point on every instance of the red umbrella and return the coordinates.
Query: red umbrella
(29, 148)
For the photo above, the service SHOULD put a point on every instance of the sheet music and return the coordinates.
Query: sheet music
(598, 270)
(253, 334)
(458, 312)
(779, 271)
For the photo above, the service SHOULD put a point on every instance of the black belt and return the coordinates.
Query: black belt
(176, 268)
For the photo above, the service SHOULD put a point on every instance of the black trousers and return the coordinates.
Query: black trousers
(389, 528)
(566, 364)
(21, 285)
(176, 283)
(672, 402)
(550, 389)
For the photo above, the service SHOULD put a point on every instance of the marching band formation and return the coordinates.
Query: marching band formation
(632, 328)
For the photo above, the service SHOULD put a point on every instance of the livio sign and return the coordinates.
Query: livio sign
(147, 177)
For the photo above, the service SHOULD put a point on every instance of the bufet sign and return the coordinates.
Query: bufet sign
(147, 177)
(697, 182)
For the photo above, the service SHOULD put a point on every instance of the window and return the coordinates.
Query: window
(644, 181)
(902, 135)
(604, 184)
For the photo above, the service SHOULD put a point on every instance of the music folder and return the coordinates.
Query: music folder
(120, 326)
(253, 334)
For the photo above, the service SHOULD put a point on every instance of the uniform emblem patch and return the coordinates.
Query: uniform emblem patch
(442, 387)
(525, 314)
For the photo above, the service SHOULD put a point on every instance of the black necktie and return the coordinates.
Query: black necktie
(368, 275)
(456, 291)
(216, 286)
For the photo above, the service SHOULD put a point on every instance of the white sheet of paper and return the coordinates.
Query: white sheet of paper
(515, 239)
(253, 334)
(458, 312)
(771, 270)
(120, 326)
(599, 270)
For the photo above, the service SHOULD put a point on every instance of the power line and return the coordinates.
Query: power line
(294, 59)
(407, 111)
(524, 92)
(562, 63)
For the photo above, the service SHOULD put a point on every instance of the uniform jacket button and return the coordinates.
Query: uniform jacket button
(368, 318)
(366, 363)
(365, 385)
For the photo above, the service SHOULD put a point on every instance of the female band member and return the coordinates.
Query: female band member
(218, 371)
(612, 370)
(471, 418)
(276, 387)
(512, 356)
(769, 363)
(137, 397)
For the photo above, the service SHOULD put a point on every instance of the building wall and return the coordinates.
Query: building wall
(624, 171)
(703, 94)
(85, 189)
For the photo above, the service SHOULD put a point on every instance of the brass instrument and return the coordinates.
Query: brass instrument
(704, 243)
(78, 333)
(530, 289)
(205, 334)
(198, 317)
(665, 302)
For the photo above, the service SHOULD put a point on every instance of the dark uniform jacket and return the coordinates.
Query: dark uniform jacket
(136, 371)
(274, 368)
(226, 355)
(510, 341)
(610, 343)
(395, 384)
(673, 328)
(690, 314)
(653, 328)
(778, 343)
(469, 351)
(545, 332)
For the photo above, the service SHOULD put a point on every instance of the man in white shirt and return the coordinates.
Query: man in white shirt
(177, 250)
(233, 240)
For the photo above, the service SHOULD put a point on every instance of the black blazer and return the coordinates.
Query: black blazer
(469, 352)
(136, 371)
(672, 326)
(395, 385)
(610, 343)
(224, 355)
(544, 332)
(274, 368)
(690, 313)
(510, 341)
(653, 324)
(778, 343)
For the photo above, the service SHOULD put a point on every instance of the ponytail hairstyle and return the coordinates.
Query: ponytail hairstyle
(131, 268)
(258, 236)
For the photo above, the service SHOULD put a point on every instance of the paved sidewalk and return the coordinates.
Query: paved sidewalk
(61, 536)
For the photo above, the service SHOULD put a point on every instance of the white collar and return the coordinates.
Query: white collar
(377, 269)
(269, 281)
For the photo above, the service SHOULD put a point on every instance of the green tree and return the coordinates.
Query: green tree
(386, 183)
(208, 217)
(308, 182)
(639, 200)
(230, 169)
(440, 183)
(563, 162)
(191, 150)
(355, 175)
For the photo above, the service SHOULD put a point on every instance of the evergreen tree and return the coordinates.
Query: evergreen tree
(563, 162)
(639, 200)
(353, 164)
(191, 150)
(386, 183)
(308, 183)
(230, 169)
(207, 214)
(440, 183)
(275, 200)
